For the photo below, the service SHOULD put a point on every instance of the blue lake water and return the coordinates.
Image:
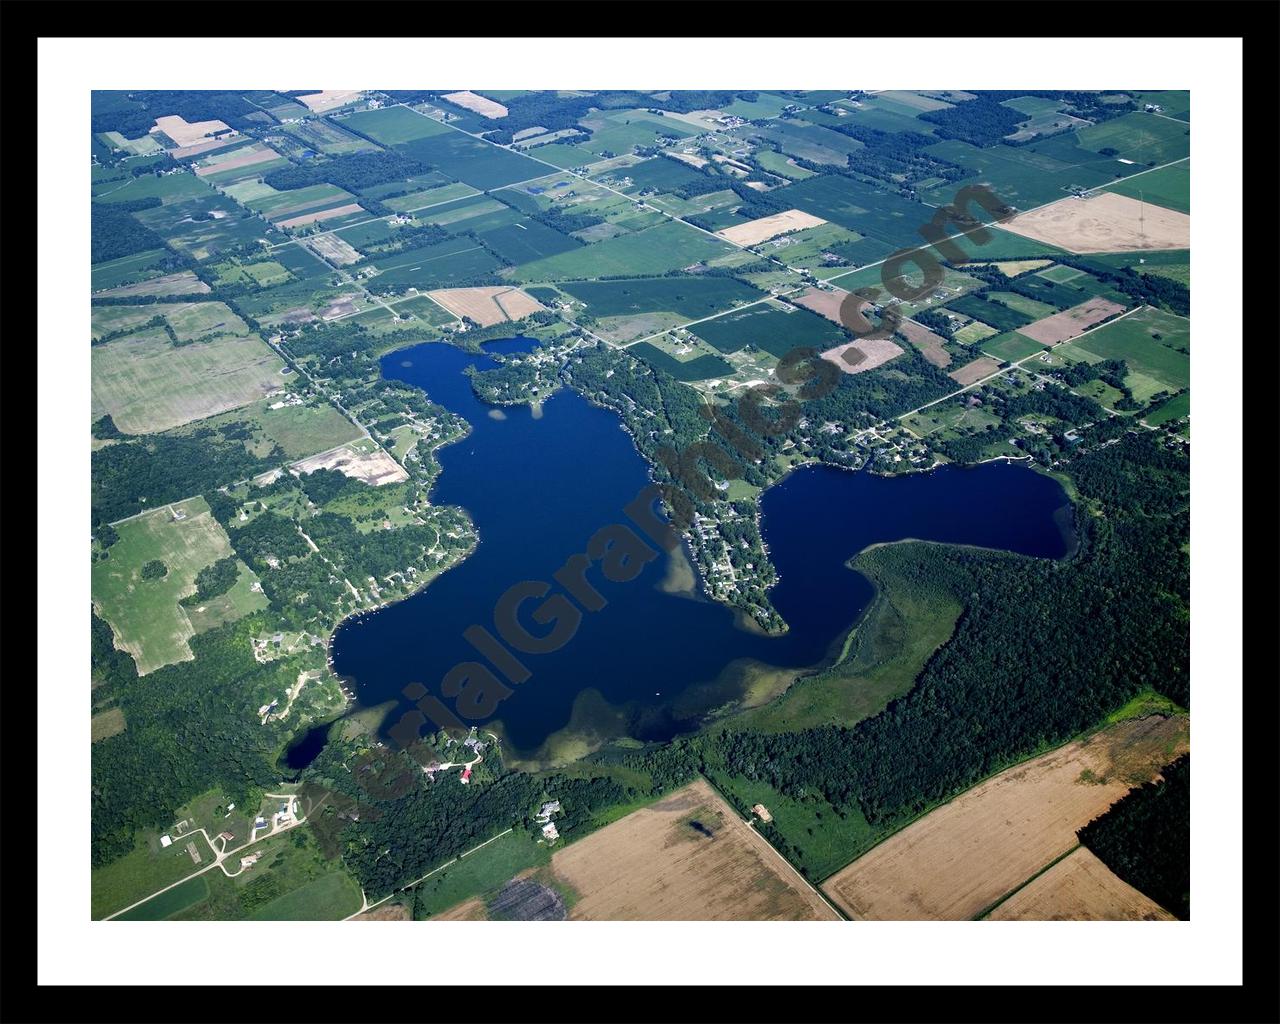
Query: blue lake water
(538, 487)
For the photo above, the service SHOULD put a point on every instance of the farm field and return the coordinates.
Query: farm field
(480, 164)
(1106, 222)
(1010, 346)
(127, 269)
(929, 344)
(182, 283)
(148, 867)
(959, 859)
(773, 327)
(392, 126)
(1152, 342)
(1070, 322)
(146, 384)
(438, 265)
(144, 613)
(300, 430)
(1079, 888)
(971, 373)
(489, 305)
(688, 857)
(655, 250)
(689, 297)
(700, 367)
(478, 876)
(1169, 187)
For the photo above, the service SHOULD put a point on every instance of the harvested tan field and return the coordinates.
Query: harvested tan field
(207, 146)
(1071, 323)
(489, 305)
(327, 99)
(1012, 268)
(334, 249)
(386, 912)
(764, 228)
(1106, 222)
(483, 107)
(692, 159)
(983, 366)
(246, 157)
(188, 134)
(375, 468)
(468, 910)
(689, 857)
(182, 283)
(311, 218)
(826, 303)
(959, 859)
(1079, 888)
(929, 344)
(864, 354)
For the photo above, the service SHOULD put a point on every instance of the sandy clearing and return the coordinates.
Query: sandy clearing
(864, 354)
(929, 344)
(958, 860)
(106, 724)
(482, 106)
(688, 857)
(492, 304)
(1071, 323)
(311, 218)
(468, 910)
(692, 159)
(1012, 268)
(327, 99)
(1106, 222)
(375, 468)
(186, 133)
(981, 367)
(1079, 888)
(826, 303)
(764, 228)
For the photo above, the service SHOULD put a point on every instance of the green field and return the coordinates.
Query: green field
(703, 367)
(1143, 138)
(1174, 409)
(175, 900)
(1011, 346)
(148, 384)
(527, 240)
(127, 269)
(999, 316)
(300, 430)
(330, 897)
(147, 868)
(478, 874)
(691, 297)
(655, 250)
(393, 125)
(1022, 304)
(974, 332)
(144, 614)
(480, 164)
(884, 216)
(772, 327)
(168, 188)
(1168, 186)
(430, 197)
(433, 266)
(1153, 343)
(324, 136)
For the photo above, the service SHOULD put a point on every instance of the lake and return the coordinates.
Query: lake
(651, 663)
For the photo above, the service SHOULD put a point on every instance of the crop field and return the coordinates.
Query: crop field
(1169, 187)
(1010, 346)
(300, 430)
(144, 614)
(659, 174)
(999, 316)
(688, 857)
(430, 197)
(772, 327)
(147, 384)
(201, 228)
(1142, 138)
(931, 345)
(655, 250)
(763, 228)
(432, 266)
(809, 142)
(182, 283)
(393, 126)
(780, 163)
(480, 164)
(148, 867)
(527, 240)
(887, 218)
(703, 367)
(1021, 304)
(127, 269)
(1174, 409)
(227, 167)
(1071, 322)
(479, 875)
(1079, 888)
(325, 136)
(690, 297)
(170, 188)
(1150, 341)
(862, 355)
(959, 859)
(1105, 222)
(974, 332)
(972, 372)
(488, 305)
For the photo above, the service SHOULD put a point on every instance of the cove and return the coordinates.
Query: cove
(537, 487)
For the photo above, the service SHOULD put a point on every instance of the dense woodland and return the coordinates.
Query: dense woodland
(1145, 838)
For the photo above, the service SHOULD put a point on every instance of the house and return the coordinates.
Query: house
(166, 840)
(549, 808)
(466, 775)
(549, 832)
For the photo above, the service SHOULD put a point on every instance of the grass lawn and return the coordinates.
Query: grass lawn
(147, 868)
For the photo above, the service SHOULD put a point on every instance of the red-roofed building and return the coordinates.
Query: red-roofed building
(466, 775)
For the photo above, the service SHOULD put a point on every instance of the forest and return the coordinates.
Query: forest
(353, 173)
(1145, 838)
